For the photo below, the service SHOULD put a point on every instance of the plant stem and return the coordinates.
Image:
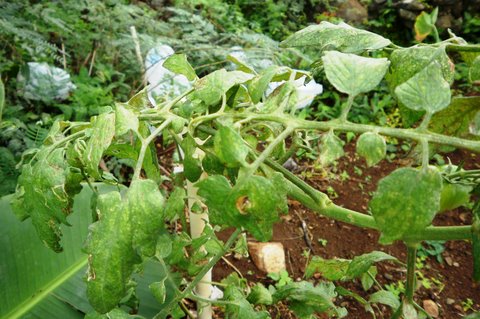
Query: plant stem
(426, 120)
(435, 35)
(319, 202)
(463, 48)
(425, 155)
(271, 147)
(138, 52)
(176, 100)
(68, 139)
(413, 134)
(205, 300)
(411, 260)
(165, 311)
(346, 110)
(145, 143)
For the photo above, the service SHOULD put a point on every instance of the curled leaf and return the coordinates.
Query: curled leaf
(372, 147)
(331, 148)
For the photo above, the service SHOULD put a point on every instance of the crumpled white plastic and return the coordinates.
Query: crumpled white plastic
(216, 293)
(43, 82)
(306, 91)
(163, 82)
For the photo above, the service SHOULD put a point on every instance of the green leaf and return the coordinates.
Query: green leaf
(124, 226)
(112, 256)
(385, 297)
(283, 98)
(102, 133)
(425, 91)
(2, 99)
(405, 63)
(367, 278)
(476, 242)
(191, 161)
(260, 295)
(245, 206)
(457, 118)
(305, 299)
(125, 120)
(158, 290)
(259, 83)
(116, 313)
(241, 65)
(211, 88)
(347, 293)
(230, 147)
(425, 24)
(331, 148)
(361, 264)
(406, 202)
(453, 196)
(240, 308)
(174, 207)
(139, 101)
(177, 63)
(372, 147)
(473, 73)
(353, 74)
(212, 165)
(340, 37)
(44, 191)
(330, 269)
(145, 207)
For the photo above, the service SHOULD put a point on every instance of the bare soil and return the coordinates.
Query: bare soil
(351, 183)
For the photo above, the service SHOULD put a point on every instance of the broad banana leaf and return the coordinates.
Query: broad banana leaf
(36, 282)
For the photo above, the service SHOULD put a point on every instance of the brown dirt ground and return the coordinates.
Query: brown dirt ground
(454, 282)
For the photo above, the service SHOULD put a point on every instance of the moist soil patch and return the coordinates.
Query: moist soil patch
(350, 184)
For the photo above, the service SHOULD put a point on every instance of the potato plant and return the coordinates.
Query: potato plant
(232, 139)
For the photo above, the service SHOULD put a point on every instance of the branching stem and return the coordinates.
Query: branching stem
(188, 290)
(145, 143)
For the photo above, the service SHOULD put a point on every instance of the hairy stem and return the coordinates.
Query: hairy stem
(413, 134)
(320, 202)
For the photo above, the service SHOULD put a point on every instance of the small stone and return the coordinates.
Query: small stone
(431, 308)
(458, 307)
(237, 256)
(388, 276)
(268, 257)
(352, 11)
(455, 264)
(290, 164)
(450, 301)
(449, 260)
